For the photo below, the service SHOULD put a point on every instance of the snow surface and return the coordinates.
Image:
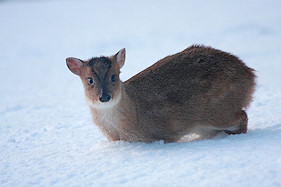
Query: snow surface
(47, 137)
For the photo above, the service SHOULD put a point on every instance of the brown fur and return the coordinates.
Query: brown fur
(199, 90)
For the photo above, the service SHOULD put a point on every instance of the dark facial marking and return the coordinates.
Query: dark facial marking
(100, 66)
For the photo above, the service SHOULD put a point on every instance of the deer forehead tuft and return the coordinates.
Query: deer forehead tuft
(100, 66)
(100, 61)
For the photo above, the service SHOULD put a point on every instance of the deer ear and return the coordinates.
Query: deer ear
(74, 65)
(120, 57)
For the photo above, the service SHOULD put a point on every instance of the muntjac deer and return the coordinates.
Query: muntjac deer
(200, 90)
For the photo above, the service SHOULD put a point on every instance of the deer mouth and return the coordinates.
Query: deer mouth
(106, 102)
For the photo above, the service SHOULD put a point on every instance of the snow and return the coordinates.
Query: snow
(47, 136)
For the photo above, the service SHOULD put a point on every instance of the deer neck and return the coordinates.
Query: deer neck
(117, 118)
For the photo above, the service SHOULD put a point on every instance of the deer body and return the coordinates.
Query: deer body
(199, 90)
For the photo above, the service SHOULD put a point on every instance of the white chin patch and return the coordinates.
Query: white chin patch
(101, 105)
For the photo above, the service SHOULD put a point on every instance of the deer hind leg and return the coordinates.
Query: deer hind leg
(239, 125)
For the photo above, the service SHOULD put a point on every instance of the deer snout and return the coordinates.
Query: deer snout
(104, 97)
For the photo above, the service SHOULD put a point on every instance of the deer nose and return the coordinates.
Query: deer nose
(104, 97)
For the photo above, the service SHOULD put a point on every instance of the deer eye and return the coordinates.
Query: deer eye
(90, 81)
(113, 78)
